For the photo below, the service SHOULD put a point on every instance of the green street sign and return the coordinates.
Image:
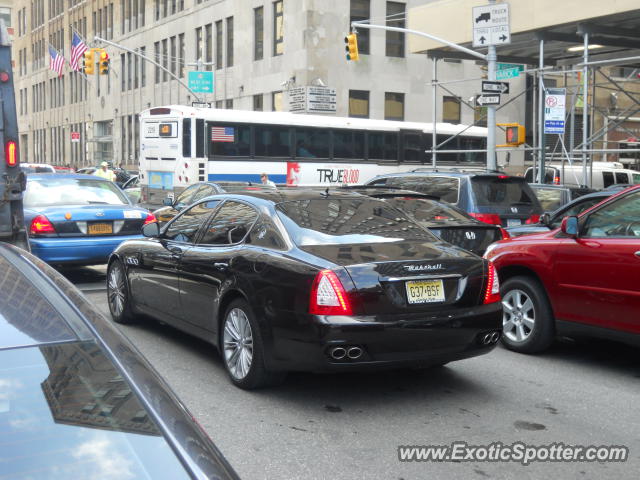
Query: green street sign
(201, 82)
(508, 70)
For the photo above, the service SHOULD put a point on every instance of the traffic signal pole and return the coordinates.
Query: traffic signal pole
(490, 58)
(172, 75)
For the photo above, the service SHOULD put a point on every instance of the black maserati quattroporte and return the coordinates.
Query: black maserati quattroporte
(308, 280)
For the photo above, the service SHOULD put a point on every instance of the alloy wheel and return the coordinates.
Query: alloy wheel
(116, 290)
(238, 343)
(518, 318)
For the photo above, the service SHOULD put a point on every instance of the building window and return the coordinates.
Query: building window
(480, 116)
(395, 18)
(198, 43)
(228, 104)
(230, 42)
(276, 101)
(181, 55)
(257, 102)
(361, 10)
(278, 28)
(393, 106)
(218, 44)
(258, 33)
(359, 103)
(208, 46)
(156, 57)
(143, 68)
(451, 109)
(165, 59)
(172, 53)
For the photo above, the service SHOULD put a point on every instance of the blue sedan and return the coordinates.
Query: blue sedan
(79, 219)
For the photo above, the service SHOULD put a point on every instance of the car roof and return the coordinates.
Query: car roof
(449, 173)
(286, 194)
(37, 176)
(384, 191)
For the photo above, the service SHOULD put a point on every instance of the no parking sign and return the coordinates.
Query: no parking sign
(554, 110)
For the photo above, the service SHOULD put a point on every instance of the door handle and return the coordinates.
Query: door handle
(221, 265)
(637, 254)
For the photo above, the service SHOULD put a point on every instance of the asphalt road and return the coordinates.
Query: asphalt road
(349, 426)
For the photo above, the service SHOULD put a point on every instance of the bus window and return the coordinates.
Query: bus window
(272, 141)
(186, 137)
(200, 137)
(348, 144)
(230, 140)
(412, 148)
(312, 143)
(451, 144)
(472, 143)
(383, 146)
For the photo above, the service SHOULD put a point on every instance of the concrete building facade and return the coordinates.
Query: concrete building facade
(257, 49)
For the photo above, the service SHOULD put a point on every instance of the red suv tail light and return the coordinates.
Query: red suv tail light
(492, 293)
(328, 296)
(150, 218)
(491, 218)
(41, 225)
(533, 219)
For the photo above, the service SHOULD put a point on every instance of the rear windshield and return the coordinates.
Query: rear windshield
(445, 188)
(347, 221)
(507, 192)
(57, 190)
(428, 211)
(66, 413)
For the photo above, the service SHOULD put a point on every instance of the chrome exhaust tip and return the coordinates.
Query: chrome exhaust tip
(486, 340)
(338, 353)
(354, 353)
(495, 337)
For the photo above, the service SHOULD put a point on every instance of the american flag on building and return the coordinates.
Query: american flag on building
(56, 61)
(222, 134)
(78, 47)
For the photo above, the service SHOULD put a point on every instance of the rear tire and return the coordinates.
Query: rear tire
(527, 322)
(242, 348)
(118, 296)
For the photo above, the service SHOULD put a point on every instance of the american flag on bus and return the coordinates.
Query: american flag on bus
(56, 61)
(223, 134)
(78, 47)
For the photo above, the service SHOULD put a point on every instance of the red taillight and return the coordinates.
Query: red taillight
(491, 218)
(505, 234)
(533, 219)
(150, 218)
(328, 296)
(492, 293)
(11, 153)
(41, 225)
(503, 177)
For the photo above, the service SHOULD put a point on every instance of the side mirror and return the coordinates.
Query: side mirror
(545, 219)
(569, 226)
(168, 202)
(151, 230)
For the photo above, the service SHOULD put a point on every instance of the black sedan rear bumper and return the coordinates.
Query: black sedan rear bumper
(309, 343)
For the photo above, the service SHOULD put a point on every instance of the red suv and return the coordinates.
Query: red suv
(581, 279)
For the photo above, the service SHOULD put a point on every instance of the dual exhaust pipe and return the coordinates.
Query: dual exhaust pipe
(489, 338)
(342, 353)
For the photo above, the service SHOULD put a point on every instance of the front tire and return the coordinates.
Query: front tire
(118, 296)
(243, 350)
(527, 321)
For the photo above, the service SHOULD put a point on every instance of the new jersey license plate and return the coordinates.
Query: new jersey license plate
(100, 228)
(424, 291)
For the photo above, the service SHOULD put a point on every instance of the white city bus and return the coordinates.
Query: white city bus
(182, 145)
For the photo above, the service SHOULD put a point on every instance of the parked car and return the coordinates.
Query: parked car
(552, 197)
(490, 197)
(580, 279)
(29, 168)
(309, 281)
(77, 400)
(87, 170)
(444, 220)
(78, 219)
(191, 194)
(550, 221)
(62, 169)
(132, 188)
(602, 174)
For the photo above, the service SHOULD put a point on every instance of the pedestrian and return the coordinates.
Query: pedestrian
(105, 172)
(265, 180)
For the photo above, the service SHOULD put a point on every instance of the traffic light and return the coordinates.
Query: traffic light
(351, 46)
(88, 66)
(514, 134)
(104, 62)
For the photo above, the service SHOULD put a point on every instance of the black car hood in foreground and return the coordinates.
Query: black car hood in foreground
(77, 399)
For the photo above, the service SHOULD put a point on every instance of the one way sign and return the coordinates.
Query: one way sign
(485, 99)
(495, 87)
